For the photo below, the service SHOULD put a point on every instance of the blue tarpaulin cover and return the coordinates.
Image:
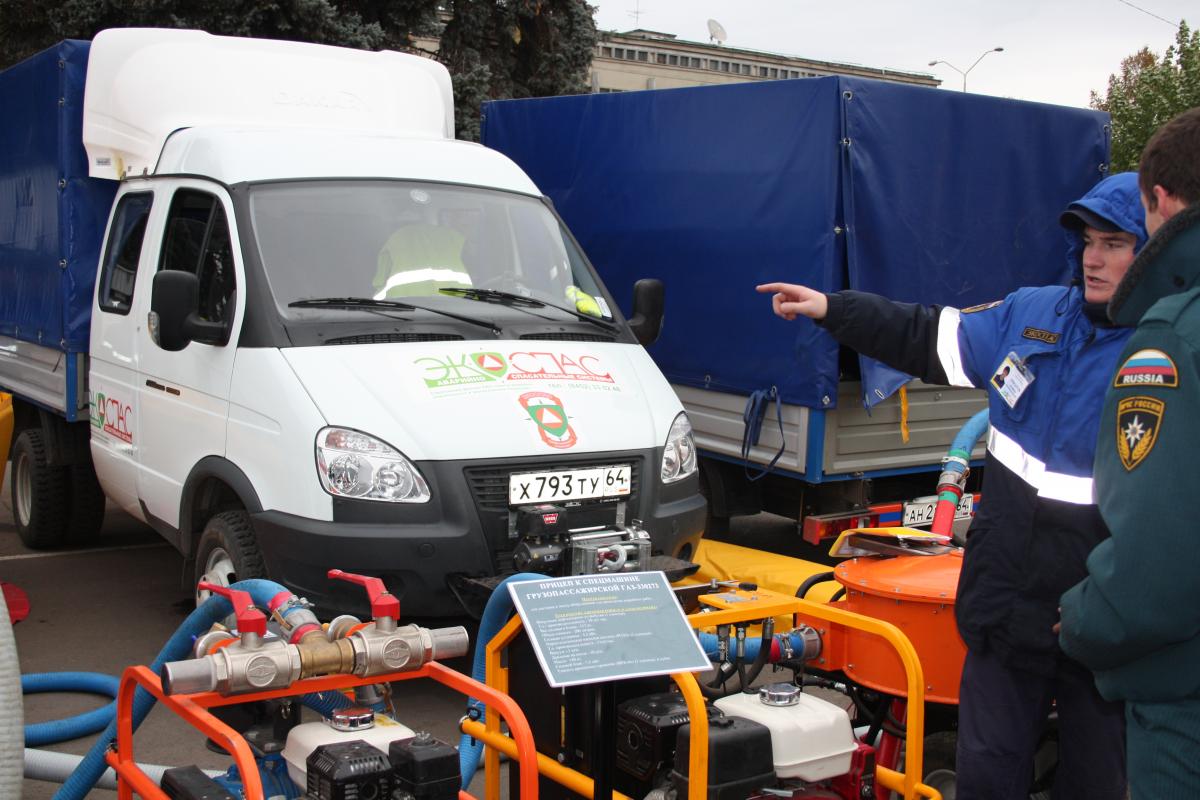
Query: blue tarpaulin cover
(52, 215)
(918, 194)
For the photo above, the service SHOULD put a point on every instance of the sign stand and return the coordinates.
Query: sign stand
(594, 630)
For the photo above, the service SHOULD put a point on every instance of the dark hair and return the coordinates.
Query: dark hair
(1172, 160)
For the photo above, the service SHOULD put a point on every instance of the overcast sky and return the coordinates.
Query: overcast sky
(1055, 51)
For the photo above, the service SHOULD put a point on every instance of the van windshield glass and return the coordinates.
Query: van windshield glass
(391, 240)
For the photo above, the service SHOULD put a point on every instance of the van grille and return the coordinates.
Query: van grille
(489, 488)
(387, 338)
(570, 337)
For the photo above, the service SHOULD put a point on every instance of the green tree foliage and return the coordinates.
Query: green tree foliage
(493, 48)
(519, 48)
(27, 26)
(1147, 92)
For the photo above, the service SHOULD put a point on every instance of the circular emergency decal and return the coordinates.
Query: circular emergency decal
(547, 411)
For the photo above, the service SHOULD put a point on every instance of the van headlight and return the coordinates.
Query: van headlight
(679, 456)
(353, 464)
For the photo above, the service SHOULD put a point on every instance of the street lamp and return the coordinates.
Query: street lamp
(964, 73)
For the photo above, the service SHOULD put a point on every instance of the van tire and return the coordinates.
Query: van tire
(86, 516)
(227, 552)
(40, 493)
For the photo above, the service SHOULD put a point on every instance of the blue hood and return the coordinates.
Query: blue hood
(1117, 199)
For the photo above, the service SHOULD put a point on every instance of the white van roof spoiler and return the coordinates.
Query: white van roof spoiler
(145, 83)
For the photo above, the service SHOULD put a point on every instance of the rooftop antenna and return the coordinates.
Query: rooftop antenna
(716, 32)
(636, 13)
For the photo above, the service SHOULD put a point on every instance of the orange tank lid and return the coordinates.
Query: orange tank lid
(924, 578)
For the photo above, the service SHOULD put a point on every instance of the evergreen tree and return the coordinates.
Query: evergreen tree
(27, 26)
(493, 48)
(519, 48)
(1147, 92)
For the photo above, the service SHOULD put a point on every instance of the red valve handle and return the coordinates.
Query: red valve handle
(383, 602)
(249, 618)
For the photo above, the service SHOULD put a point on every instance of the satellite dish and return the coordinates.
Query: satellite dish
(716, 32)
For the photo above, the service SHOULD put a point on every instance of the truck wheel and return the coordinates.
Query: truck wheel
(227, 552)
(86, 515)
(939, 763)
(39, 493)
(940, 772)
(714, 527)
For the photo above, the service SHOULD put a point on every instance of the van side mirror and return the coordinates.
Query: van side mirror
(648, 301)
(174, 319)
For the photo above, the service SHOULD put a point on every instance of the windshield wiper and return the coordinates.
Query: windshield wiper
(351, 302)
(510, 298)
(611, 327)
(492, 296)
(399, 305)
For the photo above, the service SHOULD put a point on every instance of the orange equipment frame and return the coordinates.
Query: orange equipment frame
(193, 709)
(728, 607)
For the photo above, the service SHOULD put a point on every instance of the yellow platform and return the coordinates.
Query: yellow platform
(783, 574)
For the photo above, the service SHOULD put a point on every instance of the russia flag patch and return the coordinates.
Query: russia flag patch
(1147, 368)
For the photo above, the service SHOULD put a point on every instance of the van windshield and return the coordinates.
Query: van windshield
(437, 244)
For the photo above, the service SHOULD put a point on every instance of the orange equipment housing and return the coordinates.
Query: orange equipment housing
(916, 594)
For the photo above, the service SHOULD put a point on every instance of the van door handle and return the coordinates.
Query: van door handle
(161, 388)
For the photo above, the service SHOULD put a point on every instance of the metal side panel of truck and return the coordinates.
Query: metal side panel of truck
(846, 442)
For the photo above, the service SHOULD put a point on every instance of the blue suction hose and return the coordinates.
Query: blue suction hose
(63, 730)
(954, 468)
(495, 616)
(969, 434)
(709, 641)
(178, 647)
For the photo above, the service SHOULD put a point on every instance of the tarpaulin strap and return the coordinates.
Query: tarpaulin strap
(753, 416)
(904, 414)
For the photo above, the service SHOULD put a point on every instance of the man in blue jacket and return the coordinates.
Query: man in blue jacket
(1055, 350)
(1135, 620)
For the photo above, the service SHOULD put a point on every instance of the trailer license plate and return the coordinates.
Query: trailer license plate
(920, 511)
(575, 484)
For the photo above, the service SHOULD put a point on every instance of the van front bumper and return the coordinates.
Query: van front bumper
(463, 531)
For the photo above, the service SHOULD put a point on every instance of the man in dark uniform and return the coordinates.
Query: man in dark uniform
(1135, 620)
(1055, 349)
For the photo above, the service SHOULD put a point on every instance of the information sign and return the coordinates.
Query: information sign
(594, 628)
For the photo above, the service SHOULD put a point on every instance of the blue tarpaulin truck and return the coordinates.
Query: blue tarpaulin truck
(918, 194)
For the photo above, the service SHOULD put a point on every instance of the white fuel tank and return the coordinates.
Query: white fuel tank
(811, 738)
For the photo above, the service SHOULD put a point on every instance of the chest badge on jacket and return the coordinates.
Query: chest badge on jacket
(1138, 421)
(1037, 334)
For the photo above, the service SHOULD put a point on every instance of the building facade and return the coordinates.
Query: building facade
(643, 59)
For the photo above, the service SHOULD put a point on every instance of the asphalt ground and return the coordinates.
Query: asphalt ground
(115, 602)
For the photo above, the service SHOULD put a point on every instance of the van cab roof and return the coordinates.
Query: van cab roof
(234, 155)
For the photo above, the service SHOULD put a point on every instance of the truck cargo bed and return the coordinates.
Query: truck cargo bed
(52, 220)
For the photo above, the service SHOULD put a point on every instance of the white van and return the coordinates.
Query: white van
(325, 334)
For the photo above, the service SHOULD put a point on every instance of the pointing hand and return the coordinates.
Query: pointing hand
(790, 299)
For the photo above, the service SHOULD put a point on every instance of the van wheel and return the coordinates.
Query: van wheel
(227, 552)
(39, 493)
(86, 515)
